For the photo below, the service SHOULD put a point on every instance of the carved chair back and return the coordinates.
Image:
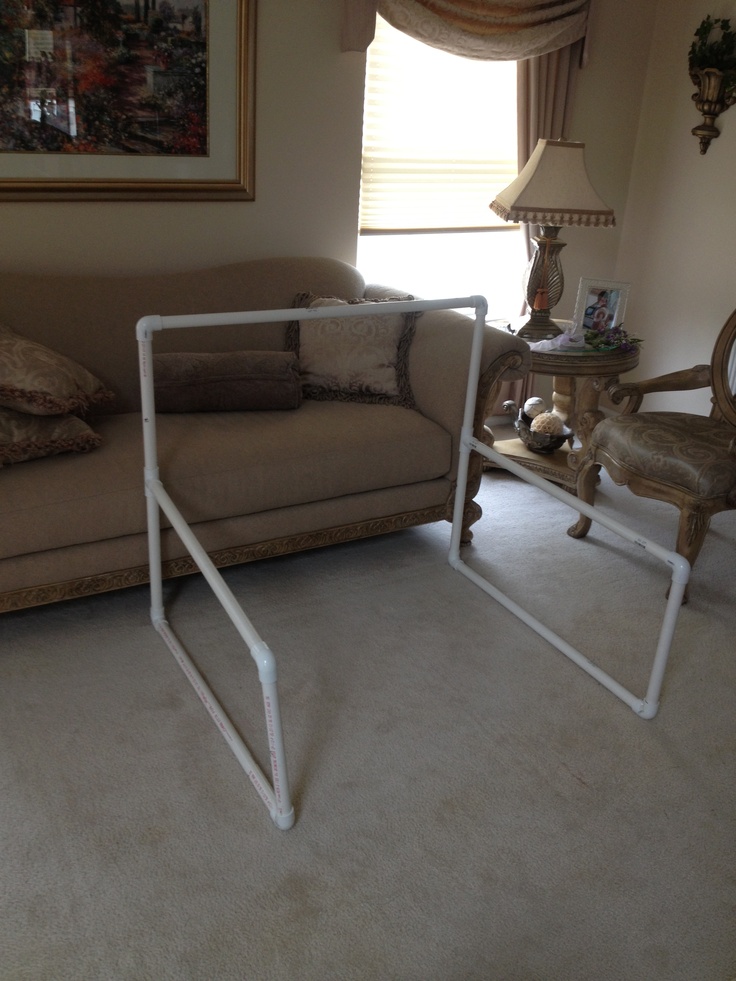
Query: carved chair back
(723, 373)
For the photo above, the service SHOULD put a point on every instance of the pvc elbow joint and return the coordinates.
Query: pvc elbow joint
(284, 821)
(146, 325)
(681, 568)
(263, 656)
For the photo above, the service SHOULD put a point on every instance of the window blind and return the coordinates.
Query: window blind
(439, 137)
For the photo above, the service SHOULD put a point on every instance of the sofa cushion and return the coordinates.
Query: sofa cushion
(36, 379)
(217, 465)
(227, 381)
(353, 359)
(26, 437)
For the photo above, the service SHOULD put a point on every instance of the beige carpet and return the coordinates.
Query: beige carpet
(470, 805)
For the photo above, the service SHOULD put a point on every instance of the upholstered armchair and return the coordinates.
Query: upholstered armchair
(685, 459)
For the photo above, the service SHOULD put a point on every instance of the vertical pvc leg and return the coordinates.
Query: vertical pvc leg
(283, 812)
(666, 635)
(476, 351)
(150, 473)
(154, 557)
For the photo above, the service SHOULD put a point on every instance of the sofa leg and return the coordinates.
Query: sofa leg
(471, 513)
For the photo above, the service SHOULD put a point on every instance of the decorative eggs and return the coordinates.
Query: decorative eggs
(548, 423)
(534, 405)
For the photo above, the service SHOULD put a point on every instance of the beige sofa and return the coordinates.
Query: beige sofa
(252, 484)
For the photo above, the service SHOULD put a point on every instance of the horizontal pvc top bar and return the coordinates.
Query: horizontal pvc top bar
(154, 322)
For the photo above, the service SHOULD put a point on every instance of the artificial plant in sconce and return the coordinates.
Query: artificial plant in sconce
(712, 66)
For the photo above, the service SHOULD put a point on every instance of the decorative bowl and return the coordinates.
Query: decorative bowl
(540, 442)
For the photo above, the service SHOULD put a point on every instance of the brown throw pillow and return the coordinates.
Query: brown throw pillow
(353, 359)
(230, 381)
(26, 437)
(35, 379)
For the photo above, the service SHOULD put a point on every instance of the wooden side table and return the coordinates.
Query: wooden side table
(579, 379)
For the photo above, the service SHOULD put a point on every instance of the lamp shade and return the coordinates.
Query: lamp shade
(554, 189)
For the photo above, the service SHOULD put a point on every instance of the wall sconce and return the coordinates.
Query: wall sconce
(711, 99)
(712, 65)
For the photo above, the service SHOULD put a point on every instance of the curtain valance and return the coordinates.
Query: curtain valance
(482, 29)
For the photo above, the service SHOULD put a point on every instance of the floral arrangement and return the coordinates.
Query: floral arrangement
(611, 338)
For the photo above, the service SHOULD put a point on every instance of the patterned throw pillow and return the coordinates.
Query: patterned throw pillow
(27, 437)
(353, 359)
(35, 379)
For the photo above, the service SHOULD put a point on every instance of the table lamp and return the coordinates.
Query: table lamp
(552, 190)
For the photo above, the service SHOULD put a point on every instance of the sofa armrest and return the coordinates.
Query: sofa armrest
(439, 361)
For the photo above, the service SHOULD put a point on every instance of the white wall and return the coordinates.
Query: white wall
(675, 208)
(309, 100)
(606, 118)
(677, 243)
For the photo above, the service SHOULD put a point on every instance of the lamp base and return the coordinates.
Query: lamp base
(544, 285)
(539, 327)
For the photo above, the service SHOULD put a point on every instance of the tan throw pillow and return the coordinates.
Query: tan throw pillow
(230, 381)
(35, 379)
(353, 359)
(24, 437)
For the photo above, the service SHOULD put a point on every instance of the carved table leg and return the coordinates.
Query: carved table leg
(587, 414)
(563, 396)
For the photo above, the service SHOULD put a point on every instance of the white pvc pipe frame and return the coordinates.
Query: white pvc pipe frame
(645, 707)
(275, 794)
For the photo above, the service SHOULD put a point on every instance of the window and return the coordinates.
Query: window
(439, 142)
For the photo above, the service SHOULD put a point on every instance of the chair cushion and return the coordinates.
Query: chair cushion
(690, 452)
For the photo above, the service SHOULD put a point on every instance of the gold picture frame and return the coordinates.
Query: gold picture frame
(212, 159)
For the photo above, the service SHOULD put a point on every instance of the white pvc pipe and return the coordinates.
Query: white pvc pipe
(279, 803)
(146, 325)
(277, 800)
(283, 812)
(150, 472)
(679, 566)
(261, 654)
(275, 796)
(466, 435)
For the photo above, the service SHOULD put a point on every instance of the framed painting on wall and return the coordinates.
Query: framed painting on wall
(127, 100)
